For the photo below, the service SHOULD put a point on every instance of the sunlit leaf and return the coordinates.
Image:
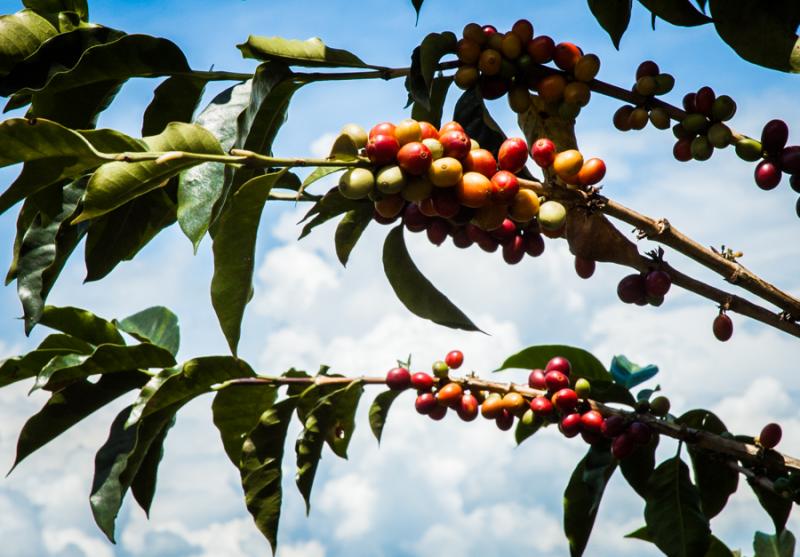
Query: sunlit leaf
(311, 52)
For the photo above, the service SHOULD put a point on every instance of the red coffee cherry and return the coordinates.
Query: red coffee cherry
(570, 425)
(536, 380)
(592, 422)
(770, 436)
(723, 327)
(613, 426)
(398, 379)
(565, 400)
(555, 381)
(542, 406)
(468, 409)
(422, 381)
(622, 446)
(425, 403)
(559, 363)
(454, 359)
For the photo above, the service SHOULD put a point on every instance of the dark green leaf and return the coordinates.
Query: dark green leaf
(76, 108)
(330, 206)
(613, 16)
(640, 534)
(583, 495)
(638, 467)
(29, 365)
(25, 218)
(718, 549)
(200, 186)
(672, 511)
(350, 229)
(156, 325)
(764, 34)
(676, 12)
(523, 431)
(417, 7)
(118, 461)
(584, 364)
(319, 173)
(107, 358)
(191, 380)
(438, 95)
(309, 450)
(778, 545)
(344, 403)
(80, 7)
(45, 248)
(415, 83)
(262, 455)
(237, 409)
(20, 35)
(81, 324)
(234, 254)
(379, 412)
(71, 405)
(175, 100)
(116, 183)
(143, 486)
(414, 290)
(777, 507)
(312, 52)
(471, 112)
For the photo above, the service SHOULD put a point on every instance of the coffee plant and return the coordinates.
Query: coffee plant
(459, 180)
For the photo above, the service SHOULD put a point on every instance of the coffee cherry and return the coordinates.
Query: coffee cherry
(460, 238)
(408, 131)
(414, 158)
(519, 98)
(559, 363)
(584, 267)
(767, 175)
(583, 388)
(774, 136)
(390, 206)
(492, 406)
(688, 102)
(701, 148)
(511, 46)
(794, 183)
(450, 395)
(638, 118)
(465, 78)
(704, 100)
(622, 446)
(645, 85)
(622, 118)
(566, 56)
(541, 49)
(592, 171)
(639, 433)
(536, 380)
(543, 152)
(657, 283)
(660, 406)
(468, 408)
(384, 128)
(524, 204)
(723, 109)
(422, 381)
(723, 327)
(356, 133)
(438, 412)
(505, 232)
(398, 379)
(534, 244)
(592, 422)
(790, 160)
(567, 164)
(695, 123)
(454, 359)
(586, 67)
(660, 119)
(380, 219)
(570, 425)
(555, 380)
(356, 183)
(493, 86)
(505, 186)
(632, 289)
(445, 172)
(592, 438)
(647, 68)
(552, 215)
(577, 93)
(474, 32)
(513, 154)
(434, 146)
(481, 161)
(770, 436)
(664, 83)
(505, 420)
(682, 150)
(417, 188)
(451, 126)
(474, 190)
(413, 218)
(428, 130)
(382, 149)
(719, 135)
(565, 400)
(523, 29)
(456, 144)
(390, 179)
(514, 402)
(613, 426)
(551, 88)
(514, 250)
(542, 406)
(748, 149)
(490, 217)
(425, 403)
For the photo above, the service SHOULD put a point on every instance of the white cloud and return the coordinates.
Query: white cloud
(302, 549)
(351, 499)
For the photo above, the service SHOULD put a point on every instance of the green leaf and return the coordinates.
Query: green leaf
(143, 486)
(261, 472)
(438, 95)
(339, 430)
(613, 16)
(118, 461)
(433, 47)
(20, 35)
(81, 324)
(237, 409)
(379, 412)
(311, 52)
(330, 206)
(234, 254)
(175, 100)
(415, 83)
(319, 173)
(119, 235)
(106, 358)
(201, 186)
(676, 12)
(417, 6)
(28, 365)
(45, 248)
(191, 380)
(672, 511)
(524, 431)
(116, 183)
(156, 325)
(471, 112)
(718, 549)
(309, 450)
(638, 467)
(80, 7)
(715, 479)
(350, 229)
(778, 545)
(69, 406)
(414, 290)
(777, 507)
(764, 34)
(584, 364)
(583, 495)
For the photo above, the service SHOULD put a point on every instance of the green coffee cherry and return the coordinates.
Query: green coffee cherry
(659, 118)
(723, 108)
(390, 179)
(356, 183)
(701, 148)
(748, 149)
(695, 123)
(719, 135)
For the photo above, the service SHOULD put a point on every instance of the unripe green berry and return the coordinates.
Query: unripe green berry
(748, 149)
(356, 183)
(440, 369)
(719, 135)
(583, 388)
(701, 148)
(660, 406)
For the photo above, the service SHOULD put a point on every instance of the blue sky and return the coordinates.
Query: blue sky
(446, 488)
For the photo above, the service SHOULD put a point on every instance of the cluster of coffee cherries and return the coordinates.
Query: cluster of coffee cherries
(644, 288)
(650, 82)
(703, 129)
(500, 63)
(569, 165)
